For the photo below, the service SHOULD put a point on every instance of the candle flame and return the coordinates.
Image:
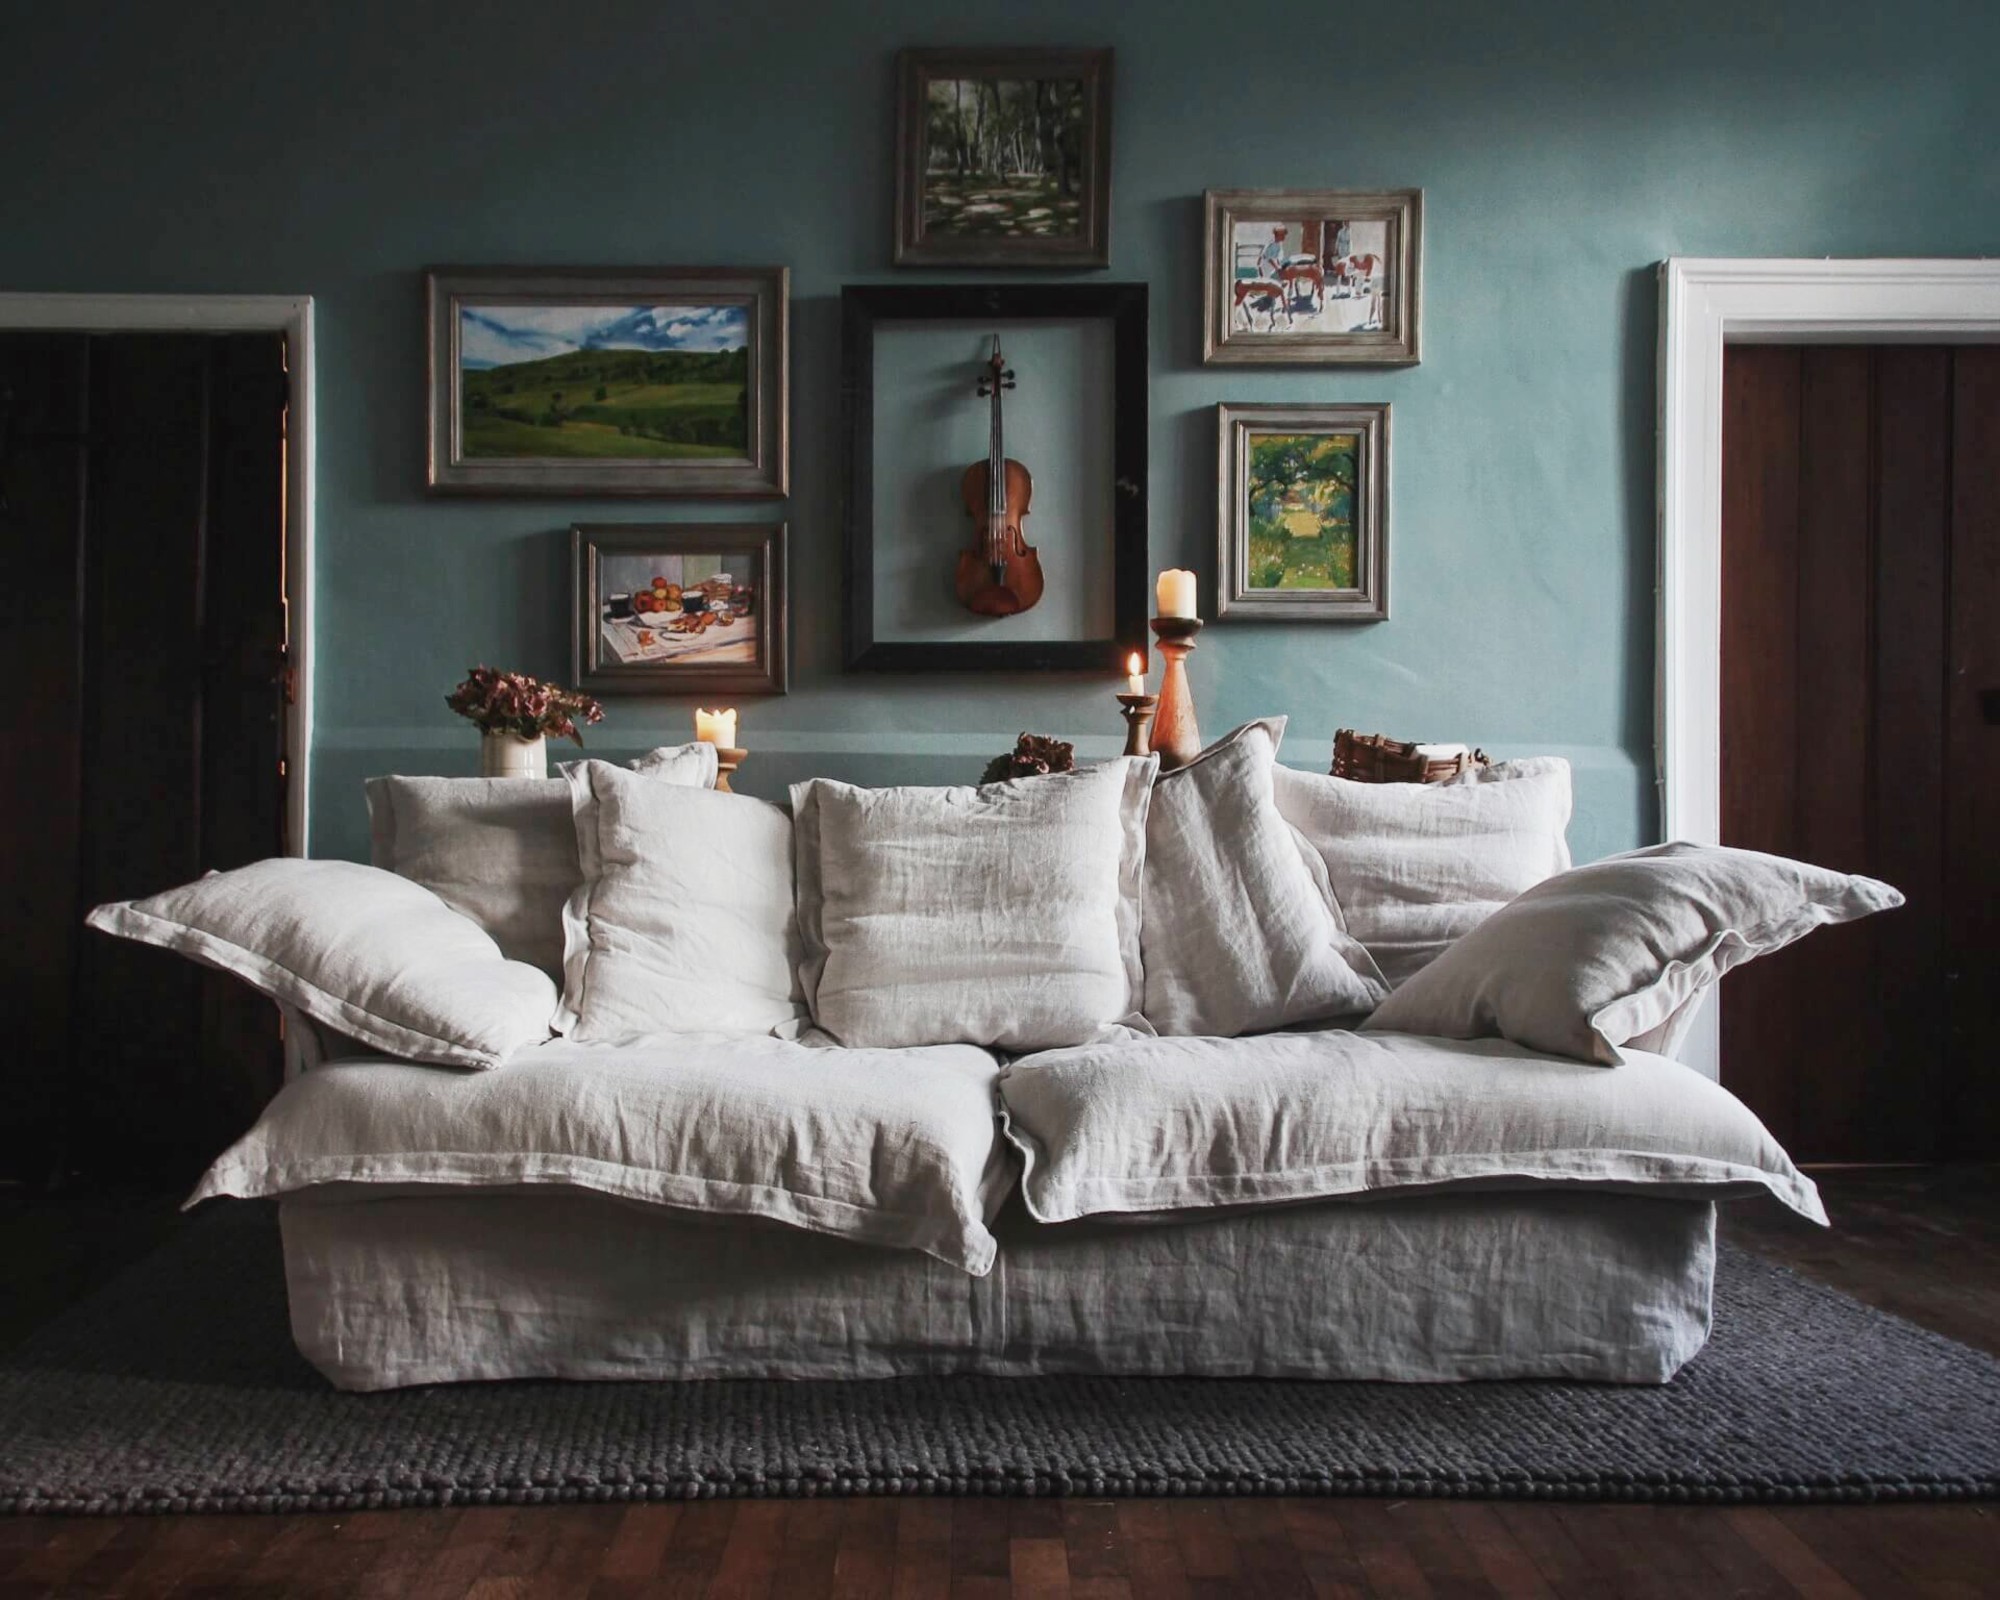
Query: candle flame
(1134, 665)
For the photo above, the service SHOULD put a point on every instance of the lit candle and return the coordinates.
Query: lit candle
(716, 728)
(1135, 674)
(1175, 593)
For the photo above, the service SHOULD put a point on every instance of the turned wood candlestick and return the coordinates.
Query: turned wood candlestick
(726, 762)
(1137, 710)
(1176, 739)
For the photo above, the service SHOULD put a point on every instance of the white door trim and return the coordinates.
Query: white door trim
(1705, 304)
(291, 315)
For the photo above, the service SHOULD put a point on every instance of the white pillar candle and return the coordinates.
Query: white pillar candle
(1174, 594)
(716, 728)
(1135, 676)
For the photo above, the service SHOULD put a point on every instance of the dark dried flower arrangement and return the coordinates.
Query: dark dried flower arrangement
(513, 702)
(1034, 755)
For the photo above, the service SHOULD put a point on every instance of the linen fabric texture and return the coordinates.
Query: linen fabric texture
(1415, 866)
(892, 1148)
(1241, 932)
(685, 918)
(1003, 915)
(502, 851)
(390, 1287)
(1171, 1125)
(1616, 953)
(362, 951)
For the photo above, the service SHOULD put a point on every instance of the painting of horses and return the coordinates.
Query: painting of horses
(1003, 157)
(1323, 276)
(1303, 512)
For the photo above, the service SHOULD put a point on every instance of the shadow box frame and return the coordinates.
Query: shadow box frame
(1368, 600)
(770, 674)
(764, 474)
(1125, 307)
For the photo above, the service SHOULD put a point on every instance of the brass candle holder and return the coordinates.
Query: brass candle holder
(726, 762)
(1137, 710)
(1176, 739)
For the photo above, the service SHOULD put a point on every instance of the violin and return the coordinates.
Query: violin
(999, 574)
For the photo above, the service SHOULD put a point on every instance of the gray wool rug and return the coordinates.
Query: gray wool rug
(177, 1388)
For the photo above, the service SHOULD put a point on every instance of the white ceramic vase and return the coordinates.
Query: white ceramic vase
(507, 755)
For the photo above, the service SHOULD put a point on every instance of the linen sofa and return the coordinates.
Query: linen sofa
(1096, 1072)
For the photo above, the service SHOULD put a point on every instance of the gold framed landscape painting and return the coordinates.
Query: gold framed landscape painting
(666, 381)
(1003, 158)
(1303, 512)
(1313, 277)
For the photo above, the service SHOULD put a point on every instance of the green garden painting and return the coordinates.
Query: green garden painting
(608, 382)
(1301, 497)
(1003, 158)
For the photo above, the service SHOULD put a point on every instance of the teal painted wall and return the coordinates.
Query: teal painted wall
(1564, 149)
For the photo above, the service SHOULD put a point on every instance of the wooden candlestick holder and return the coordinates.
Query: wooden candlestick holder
(1137, 710)
(726, 762)
(1176, 739)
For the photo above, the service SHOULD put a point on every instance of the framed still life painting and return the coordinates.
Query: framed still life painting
(1003, 158)
(1303, 513)
(1314, 277)
(668, 381)
(679, 608)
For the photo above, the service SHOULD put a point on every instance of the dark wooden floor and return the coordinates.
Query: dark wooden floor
(1922, 1242)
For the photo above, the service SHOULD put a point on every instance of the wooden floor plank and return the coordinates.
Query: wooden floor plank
(1152, 1553)
(1038, 1569)
(1788, 1554)
(1505, 1565)
(1389, 1565)
(1201, 1530)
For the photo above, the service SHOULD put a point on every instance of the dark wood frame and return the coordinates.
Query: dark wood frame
(914, 71)
(1400, 345)
(773, 616)
(1125, 306)
(1368, 600)
(767, 292)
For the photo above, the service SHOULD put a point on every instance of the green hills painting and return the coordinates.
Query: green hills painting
(1301, 503)
(616, 382)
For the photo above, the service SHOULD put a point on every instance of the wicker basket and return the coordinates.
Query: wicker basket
(1376, 758)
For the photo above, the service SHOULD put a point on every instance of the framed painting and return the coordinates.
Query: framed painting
(1304, 512)
(924, 427)
(669, 381)
(1313, 277)
(1003, 158)
(679, 608)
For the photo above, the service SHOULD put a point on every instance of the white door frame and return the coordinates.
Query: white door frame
(291, 315)
(1705, 304)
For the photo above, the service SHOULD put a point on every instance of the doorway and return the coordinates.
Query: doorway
(1860, 729)
(143, 626)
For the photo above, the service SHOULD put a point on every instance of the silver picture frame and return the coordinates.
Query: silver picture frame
(1320, 305)
(1238, 598)
(763, 468)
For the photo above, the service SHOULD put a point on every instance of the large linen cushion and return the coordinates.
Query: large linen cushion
(502, 850)
(1004, 915)
(368, 954)
(684, 921)
(1241, 933)
(1617, 952)
(1163, 1125)
(893, 1148)
(1416, 865)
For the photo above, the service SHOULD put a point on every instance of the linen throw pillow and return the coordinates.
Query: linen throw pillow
(1241, 933)
(502, 851)
(370, 955)
(1003, 915)
(1416, 865)
(1614, 953)
(684, 921)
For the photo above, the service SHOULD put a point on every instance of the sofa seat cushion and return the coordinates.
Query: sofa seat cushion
(890, 1147)
(1174, 1124)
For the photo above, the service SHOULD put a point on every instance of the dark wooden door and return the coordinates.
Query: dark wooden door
(1861, 730)
(142, 636)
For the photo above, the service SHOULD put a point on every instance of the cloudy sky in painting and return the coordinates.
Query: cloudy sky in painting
(498, 336)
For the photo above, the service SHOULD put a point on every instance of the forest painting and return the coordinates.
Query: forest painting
(1003, 158)
(628, 382)
(1301, 503)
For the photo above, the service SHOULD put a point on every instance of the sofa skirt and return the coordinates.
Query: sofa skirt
(427, 1286)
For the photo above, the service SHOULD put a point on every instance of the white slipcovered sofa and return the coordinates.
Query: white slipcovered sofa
(1232, 1070)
